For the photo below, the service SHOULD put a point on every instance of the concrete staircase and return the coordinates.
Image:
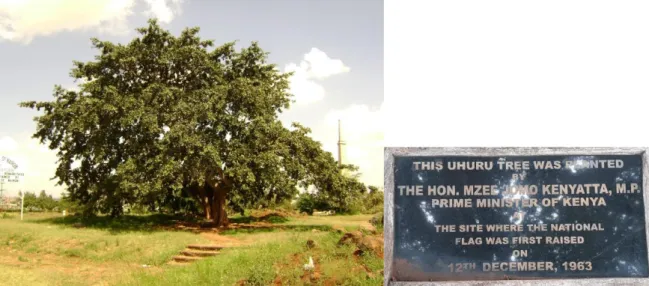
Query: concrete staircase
(195, 252)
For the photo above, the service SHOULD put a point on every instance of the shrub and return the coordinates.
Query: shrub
(369, 202)
(286, 206)
(377, 220)
(306, 203)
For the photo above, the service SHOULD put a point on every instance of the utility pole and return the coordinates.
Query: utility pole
(22, 200)
(340, 145)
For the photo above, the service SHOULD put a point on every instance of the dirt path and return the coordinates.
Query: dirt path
(223, 240)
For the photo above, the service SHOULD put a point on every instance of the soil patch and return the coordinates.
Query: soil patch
(222, 240)
(364, 243)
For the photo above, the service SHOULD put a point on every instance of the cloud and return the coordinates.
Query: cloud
(304, 89)
(315, 66)
(164, 10)
(21, 21)
(319, 66)
(362, 131)
(361, 125)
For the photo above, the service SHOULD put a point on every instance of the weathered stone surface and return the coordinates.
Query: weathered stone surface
(419, 253)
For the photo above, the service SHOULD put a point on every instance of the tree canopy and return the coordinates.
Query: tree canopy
(166, 118)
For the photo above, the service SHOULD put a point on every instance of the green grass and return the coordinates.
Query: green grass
(46, 249)
(6, 216)
(337, 220)
(122, 224)
(142, 247)
(277, 228)
(272, 218)
(27, 276)
(281, 257)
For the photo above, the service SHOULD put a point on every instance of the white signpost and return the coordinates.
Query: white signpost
(22, 200)
(9, 175)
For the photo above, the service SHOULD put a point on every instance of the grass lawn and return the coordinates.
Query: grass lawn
(50, 250)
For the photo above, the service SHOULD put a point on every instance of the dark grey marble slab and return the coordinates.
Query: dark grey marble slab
(619, 251)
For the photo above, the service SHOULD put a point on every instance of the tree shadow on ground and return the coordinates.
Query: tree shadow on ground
(271, 218)
(247, 229)
(162, 222)
(127, 223)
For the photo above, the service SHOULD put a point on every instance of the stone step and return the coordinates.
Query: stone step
(182, 258)
(198, 253)
(204, 247)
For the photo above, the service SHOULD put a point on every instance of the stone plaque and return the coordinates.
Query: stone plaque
(507, 217)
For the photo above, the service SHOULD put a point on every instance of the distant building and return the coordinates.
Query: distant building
(9, 203)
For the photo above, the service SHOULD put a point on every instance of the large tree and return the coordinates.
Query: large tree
(166, 116)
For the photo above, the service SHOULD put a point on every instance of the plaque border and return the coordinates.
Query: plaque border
(388, 205)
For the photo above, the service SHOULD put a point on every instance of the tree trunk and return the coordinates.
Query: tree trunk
(207, 208)
(212, 195)
(219, 215)
(116, 211)
(203, 197)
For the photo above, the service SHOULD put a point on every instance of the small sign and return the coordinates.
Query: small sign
(9, 175)
(518, 217)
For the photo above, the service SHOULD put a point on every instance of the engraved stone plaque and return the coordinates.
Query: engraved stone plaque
(509, 217)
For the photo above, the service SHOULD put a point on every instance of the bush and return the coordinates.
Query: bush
(286, 206)
(367, 203)
(6, 216)
(377, 220)
(360, 202)
(70, 206)
(308, 203)
(373, 202)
